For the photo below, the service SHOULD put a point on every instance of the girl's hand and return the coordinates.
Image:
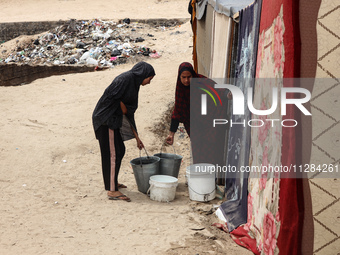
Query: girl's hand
(170, 138)
(140, 144)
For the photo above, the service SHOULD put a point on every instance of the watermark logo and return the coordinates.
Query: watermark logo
(282, 99)
(238, 100)
(204, 98)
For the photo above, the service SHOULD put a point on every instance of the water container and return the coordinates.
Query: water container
(143, 169)
(163, 188)
(201, 182)
(170, 163)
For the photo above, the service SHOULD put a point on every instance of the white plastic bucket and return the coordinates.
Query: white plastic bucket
(163, 188)
(201, 182)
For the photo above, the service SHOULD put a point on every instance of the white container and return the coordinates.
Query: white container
(85, 56)
(91, 61)
(163, 188)
(201, 182)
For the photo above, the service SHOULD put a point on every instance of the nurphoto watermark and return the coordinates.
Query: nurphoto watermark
(249, 127)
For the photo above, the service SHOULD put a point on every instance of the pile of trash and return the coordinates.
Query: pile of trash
(95, 42)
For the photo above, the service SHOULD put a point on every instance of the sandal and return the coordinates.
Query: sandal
(120, 197)
(121, 186)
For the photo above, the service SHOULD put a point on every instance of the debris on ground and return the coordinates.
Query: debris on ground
(93, 42)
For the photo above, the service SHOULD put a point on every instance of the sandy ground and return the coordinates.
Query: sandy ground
(41, 10)
(53, 200)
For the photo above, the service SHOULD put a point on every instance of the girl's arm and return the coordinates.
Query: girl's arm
(123, 107)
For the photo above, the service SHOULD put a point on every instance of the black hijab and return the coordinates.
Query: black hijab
(181, 111)
(124, 88)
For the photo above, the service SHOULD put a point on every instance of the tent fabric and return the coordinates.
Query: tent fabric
(207, 143)
(203, 40)
(234, 52)
(225, 7)
(308, 16)
(235, 208)
(221, 43)
(228, 7)
(275, 204)
(194, 31)
(201, 8)
(291, 190)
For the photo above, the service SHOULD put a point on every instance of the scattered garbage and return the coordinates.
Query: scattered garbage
(94, 42)
(182, 132)
(154, 55)
(177, 33)
(139, 39)
(127, 21)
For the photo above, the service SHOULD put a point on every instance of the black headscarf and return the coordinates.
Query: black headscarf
(181, 111)
(124, 88)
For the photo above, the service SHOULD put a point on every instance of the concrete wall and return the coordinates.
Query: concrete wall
(161, 22)
(11, 30)
(13, 74)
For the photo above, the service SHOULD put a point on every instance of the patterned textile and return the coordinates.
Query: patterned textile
(275, 205)
(235, 208)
